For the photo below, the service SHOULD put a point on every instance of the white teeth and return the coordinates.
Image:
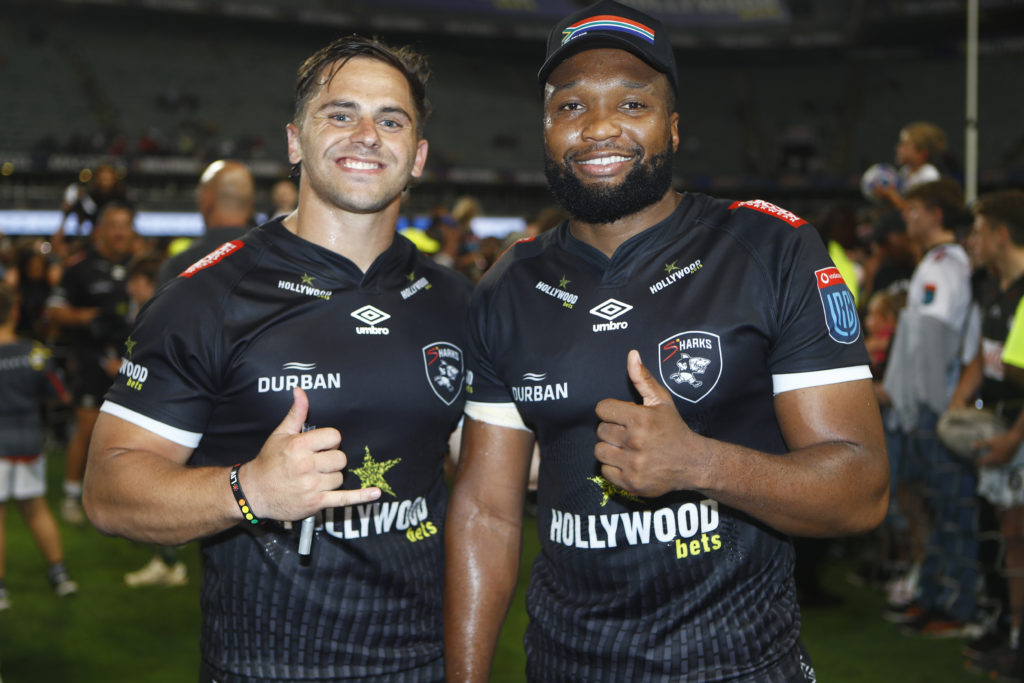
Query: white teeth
(605, 161)
(360, 165)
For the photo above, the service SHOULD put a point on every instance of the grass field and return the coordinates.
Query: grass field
(111, 634)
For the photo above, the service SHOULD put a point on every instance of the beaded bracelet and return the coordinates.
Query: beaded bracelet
(236, 490)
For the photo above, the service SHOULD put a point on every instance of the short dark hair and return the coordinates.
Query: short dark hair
(411, 64)
(1005, 207)
(145, 265)
(945, 194)
(113, 205)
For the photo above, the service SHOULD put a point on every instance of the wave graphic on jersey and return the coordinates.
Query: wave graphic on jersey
(302, 367)
(442, 361)
(691, 363)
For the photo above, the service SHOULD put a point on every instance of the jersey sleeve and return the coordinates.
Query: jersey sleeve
(818, 338)
(483, 385)
(169, 379)
(945, 289)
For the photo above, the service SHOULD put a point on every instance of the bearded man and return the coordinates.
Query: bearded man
(694, 373)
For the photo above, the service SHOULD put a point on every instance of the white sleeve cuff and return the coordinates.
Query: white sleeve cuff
(178, 436)
(803, 380)
(497, 414)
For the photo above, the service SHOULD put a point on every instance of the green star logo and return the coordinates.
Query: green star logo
(129, 345)
(411, 276)
(563, 283)
(307, 279)
(372, 472)
(669, 267)
(609, 489)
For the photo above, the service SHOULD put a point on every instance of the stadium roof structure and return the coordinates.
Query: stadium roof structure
(695, 24)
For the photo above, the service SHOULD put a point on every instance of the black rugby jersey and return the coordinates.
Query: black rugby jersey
(27, 378)
(997, 312)
(216, 353)
(726, 304)
(91, 281)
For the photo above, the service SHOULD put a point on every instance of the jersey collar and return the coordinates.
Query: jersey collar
(632, 254)
(387, 270)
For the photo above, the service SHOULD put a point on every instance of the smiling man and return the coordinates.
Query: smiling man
(328, 319)
(694, 373)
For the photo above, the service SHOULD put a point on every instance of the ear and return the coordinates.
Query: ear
(674, 123)
(421, 158)
(1004, 235)
(294, 146)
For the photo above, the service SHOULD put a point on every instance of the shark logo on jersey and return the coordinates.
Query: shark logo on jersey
(442, 362)
(840, 311)
(691, 364)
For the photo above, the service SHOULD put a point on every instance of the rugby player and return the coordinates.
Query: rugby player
(694, 372)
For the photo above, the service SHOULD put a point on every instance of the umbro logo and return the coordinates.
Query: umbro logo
(609, 310)
(371, 316)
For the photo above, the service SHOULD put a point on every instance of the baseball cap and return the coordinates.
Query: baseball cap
(611, 24)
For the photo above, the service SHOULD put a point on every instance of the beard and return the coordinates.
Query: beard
(645, 184)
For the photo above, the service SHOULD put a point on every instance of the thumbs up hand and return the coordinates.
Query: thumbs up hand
(646, 449)
(296, 473)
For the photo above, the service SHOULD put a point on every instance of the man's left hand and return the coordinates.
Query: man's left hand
(647, 449)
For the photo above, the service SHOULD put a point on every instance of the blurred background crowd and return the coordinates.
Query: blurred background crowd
(121, 118)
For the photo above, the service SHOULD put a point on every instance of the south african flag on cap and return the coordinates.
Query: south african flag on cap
(608, 22)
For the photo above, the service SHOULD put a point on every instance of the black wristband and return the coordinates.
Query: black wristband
(243, 504)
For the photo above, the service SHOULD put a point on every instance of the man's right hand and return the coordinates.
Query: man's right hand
(296, 473)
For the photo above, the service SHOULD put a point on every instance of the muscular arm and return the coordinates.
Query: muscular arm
(137, 483)
(834, 480)
(483, 540)
(137, 486)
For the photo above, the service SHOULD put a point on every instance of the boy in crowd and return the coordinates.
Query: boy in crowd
(27, 377)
